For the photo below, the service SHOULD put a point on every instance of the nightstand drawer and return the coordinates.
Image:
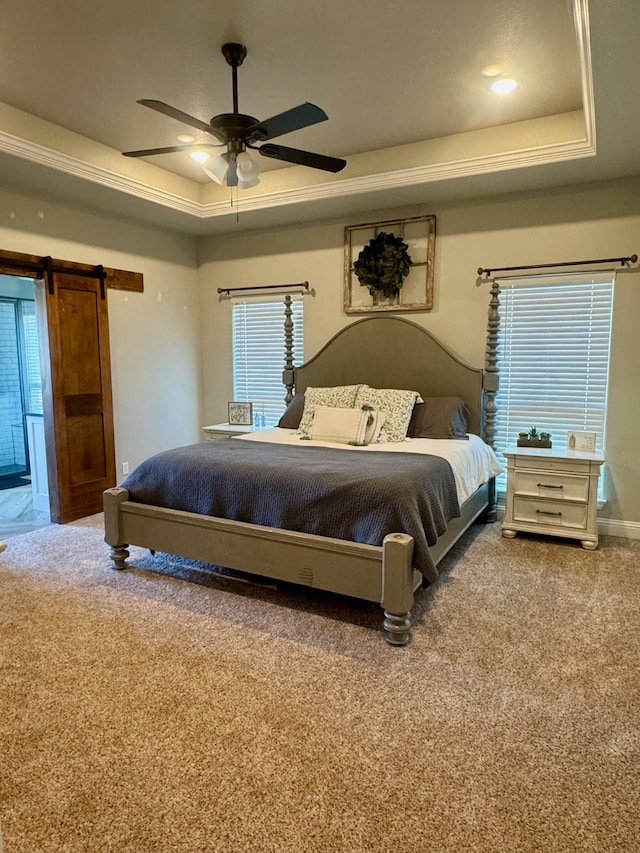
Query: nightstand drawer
(546, 463)
(550, 513)
(560, 486)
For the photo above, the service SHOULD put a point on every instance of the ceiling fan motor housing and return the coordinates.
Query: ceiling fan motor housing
(233, 125)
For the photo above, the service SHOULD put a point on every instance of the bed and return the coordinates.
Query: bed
(380, 352)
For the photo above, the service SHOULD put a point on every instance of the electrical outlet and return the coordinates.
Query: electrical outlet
(125, 467)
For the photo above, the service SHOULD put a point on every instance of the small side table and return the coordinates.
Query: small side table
(213, 432)
(552, 492)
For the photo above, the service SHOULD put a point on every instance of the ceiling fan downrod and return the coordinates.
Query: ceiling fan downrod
(234, 54)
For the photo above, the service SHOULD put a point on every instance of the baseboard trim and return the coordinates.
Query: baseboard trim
(617, 527)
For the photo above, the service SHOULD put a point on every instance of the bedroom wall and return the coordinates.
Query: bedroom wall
(546, 227)
(155, 354)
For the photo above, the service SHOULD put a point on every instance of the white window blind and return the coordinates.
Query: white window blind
(259, 350)
(553, 357)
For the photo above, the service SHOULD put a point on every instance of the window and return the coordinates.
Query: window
(553, 357)
(258, 353)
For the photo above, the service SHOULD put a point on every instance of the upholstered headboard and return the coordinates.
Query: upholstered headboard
(391, 352)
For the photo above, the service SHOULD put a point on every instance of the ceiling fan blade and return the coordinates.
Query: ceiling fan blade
(302, 158)
(171, 149)
(293, 119)
(185, 118)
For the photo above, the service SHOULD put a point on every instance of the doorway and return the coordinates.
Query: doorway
(24, 503)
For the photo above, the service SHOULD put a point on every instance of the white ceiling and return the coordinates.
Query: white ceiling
(401, 83)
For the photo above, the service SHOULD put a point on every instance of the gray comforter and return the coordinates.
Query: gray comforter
(346, 494)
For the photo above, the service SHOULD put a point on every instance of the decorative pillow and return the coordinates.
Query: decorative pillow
(337, 397)
(397, 406)
(375, 422)
(293, 414)
(440, 417)
(346, 426)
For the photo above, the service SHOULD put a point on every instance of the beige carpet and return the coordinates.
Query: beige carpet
(142, 712)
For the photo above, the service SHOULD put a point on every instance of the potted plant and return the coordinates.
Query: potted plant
(382, 265)
(533, 438)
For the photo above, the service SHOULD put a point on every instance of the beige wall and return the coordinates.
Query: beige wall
(573, 224)
(171, 345)
(154, 335)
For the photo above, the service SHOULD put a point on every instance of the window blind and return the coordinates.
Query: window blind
(258, 353)
(553, 357)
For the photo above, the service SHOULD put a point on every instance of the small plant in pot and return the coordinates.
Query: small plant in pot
(533, 438)
(383, 265)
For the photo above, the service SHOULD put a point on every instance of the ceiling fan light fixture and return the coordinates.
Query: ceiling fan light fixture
(217, 170)
(248, 171)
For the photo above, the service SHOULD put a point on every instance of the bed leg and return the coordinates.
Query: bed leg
(111, 501)
(397, 587)
(397, 628)
(490, 514)
(119, 554)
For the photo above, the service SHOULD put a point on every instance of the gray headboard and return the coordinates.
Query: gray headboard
(390, 352)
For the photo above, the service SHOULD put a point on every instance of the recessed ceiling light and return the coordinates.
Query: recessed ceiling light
(199, 156)
(186, 138)
(504, 85)
(491, 71)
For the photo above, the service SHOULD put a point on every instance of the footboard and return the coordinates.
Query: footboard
(382, 574)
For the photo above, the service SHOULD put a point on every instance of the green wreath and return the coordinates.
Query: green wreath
(383, 265)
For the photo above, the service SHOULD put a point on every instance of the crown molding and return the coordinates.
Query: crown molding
(339, 188)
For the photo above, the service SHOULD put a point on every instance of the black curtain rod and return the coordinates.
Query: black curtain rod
(303, 284)
(631, 259)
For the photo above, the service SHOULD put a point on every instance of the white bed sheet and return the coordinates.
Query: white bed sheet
(473, 462)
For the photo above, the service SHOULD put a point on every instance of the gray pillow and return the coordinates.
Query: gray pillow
(293, 415)
(439, 417)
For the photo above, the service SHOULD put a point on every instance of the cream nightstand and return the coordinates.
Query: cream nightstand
(552, 492)
(216, 431)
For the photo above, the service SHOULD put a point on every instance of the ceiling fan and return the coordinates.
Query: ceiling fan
(238, 132)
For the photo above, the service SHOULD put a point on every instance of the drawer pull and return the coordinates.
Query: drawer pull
(548, 486)
(543, 512)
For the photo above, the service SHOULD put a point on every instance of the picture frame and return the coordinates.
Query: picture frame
(416, 293)
(240, 413)
(584, 442)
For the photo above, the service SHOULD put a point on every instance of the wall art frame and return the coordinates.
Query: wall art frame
(240, 413)
(416, 293)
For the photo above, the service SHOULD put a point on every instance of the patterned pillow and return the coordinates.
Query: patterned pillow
(397, 406)
(338, 397)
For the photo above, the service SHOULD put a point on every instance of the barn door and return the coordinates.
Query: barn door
(76, 384)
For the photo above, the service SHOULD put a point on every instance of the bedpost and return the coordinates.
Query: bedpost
(490, 386)
(111, 500)
(397, 587)
(490, 382)
(287, 375)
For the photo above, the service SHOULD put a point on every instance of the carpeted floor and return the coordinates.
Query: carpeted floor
(142, 712)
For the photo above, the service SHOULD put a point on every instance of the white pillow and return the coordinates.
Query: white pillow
(346, 426)
(397, 406)
(337, 397)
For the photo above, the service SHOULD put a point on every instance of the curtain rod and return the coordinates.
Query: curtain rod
(304, 285)
(631, 259)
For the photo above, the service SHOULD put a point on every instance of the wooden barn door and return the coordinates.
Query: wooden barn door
(76, 384)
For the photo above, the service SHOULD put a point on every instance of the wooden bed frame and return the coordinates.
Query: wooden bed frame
(384, 352)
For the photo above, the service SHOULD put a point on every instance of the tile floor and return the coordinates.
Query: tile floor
(17, 514)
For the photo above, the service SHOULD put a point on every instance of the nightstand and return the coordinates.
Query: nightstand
(216, 431)
(552, 492)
